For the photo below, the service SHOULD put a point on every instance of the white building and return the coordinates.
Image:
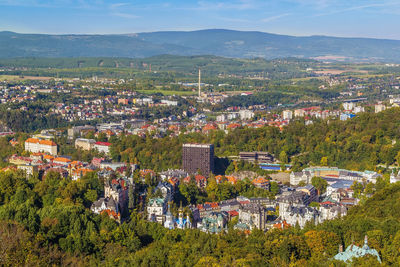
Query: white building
(349, 105)
(359, 109)
(37, 145)
(85, 144)
(221, 118)
(394, 178)
(299, 113)
(102, 147)
(287, 114)
(379, 108)
(156, 210)
(299, 215)
(329, 212)
(246, 114)
(297, 177)
(169, 102)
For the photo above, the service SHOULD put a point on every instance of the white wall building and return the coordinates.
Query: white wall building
(287, 114)
(37, 145)
(102, 147)
(246, 114)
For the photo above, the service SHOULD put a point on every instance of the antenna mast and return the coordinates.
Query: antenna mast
(199, 83)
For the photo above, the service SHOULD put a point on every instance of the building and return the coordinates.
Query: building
(246, 114)
(299, 215)
(28, 169)
(299, 113)
(85, 144)
(297, 177)
(77, 130)
(354, 251)
(215, 222)
(261, 182)
(62, 161)
(102, 147)
(331, 211)
(379, 108)
(118, 190)
(166, 190)
(169, 102)
(287, 114)
(37, 145)
(349, 105)
(108, 206)
(165, 175)
(261, 157)
(394, 178)
(310, 190)
(169, 220)
(198, 158)
(156, 209)
(253, 216)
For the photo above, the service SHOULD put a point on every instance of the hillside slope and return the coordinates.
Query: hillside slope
(227, 43)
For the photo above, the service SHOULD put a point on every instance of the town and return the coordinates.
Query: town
(202, 158)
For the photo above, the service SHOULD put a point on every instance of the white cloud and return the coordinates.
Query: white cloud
(272, 18)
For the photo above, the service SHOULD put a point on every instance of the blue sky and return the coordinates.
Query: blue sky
(368, 18)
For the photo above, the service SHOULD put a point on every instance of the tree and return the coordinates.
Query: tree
(324, 161)
(320, 184)
(283, 157)
(357, 189)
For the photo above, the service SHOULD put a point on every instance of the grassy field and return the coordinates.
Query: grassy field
(22, 78)
(168, 92)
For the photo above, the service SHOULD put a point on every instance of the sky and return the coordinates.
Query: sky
(346, 18)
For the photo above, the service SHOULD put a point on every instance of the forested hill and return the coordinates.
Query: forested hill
(227, 43)
(50, 224)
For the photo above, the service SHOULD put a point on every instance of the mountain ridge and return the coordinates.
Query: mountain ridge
(218, 42)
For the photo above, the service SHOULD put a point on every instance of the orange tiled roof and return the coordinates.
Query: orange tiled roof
(32, 140)
(231, 179)
(109, 212)
(49, 157)
(282, 225)
(47, 143)
(61, 159)
(199, 177)
(259, 180)
(42, 142)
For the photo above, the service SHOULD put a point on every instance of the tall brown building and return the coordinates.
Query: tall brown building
(198, 157)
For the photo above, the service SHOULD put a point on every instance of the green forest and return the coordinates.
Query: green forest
(48, 223)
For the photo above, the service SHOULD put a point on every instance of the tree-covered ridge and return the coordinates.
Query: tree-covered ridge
(211, 66)
(358, 144)
(218, 42)
(51, 224)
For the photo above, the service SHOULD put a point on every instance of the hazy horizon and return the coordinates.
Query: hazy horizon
(340, 18)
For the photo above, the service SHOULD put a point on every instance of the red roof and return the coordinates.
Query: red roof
(233, 213)
(199, 178)
(103, 143)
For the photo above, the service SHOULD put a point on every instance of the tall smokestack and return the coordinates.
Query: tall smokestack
(199, 83)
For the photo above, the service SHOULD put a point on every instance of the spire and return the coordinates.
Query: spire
(366, 243)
